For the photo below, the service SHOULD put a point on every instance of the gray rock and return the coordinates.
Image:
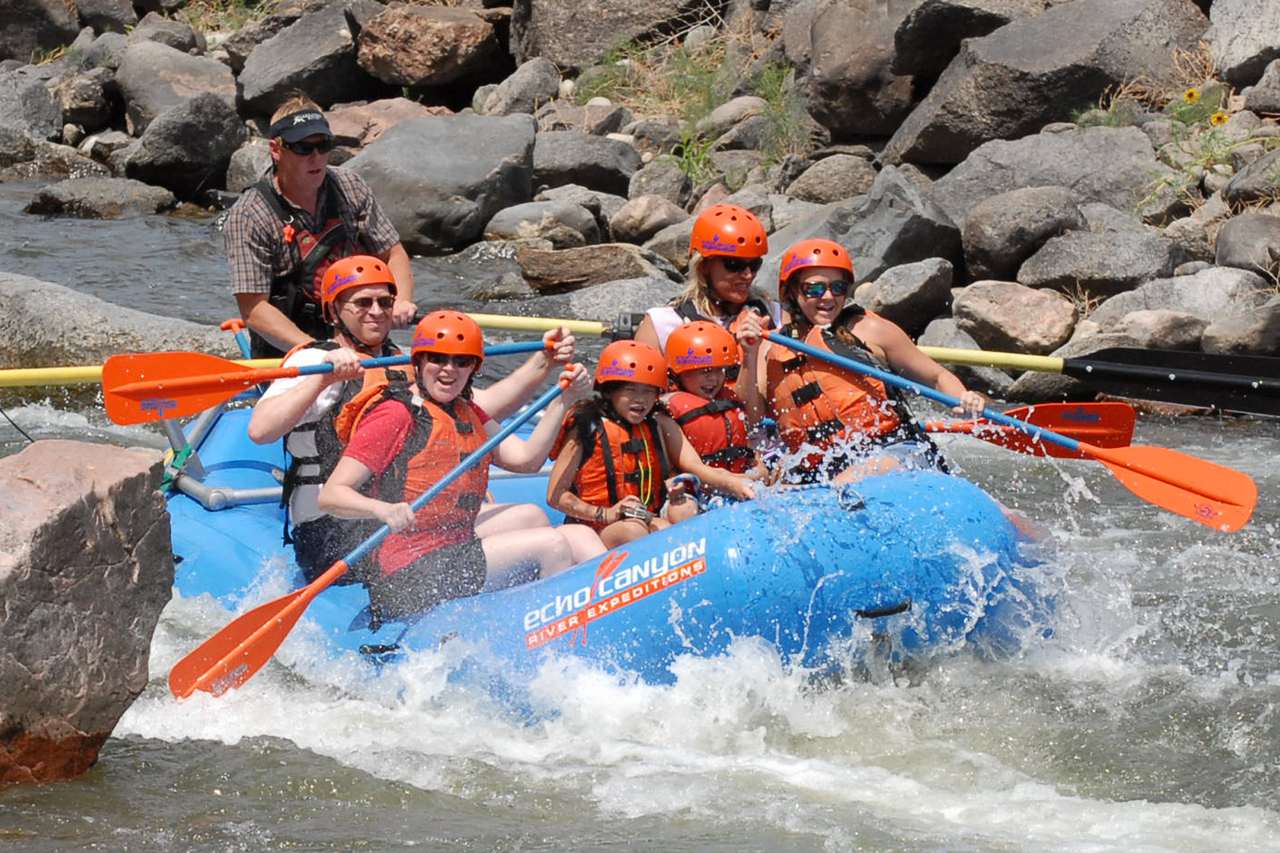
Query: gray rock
(836, 178)
(100, 198)
(930, 36)
(787, 211)
(99, 146)
(663, 177)
(408, 45)
(642, 217)
(86, 566)
(1099, 264)
(1040, 69)
(82, 98)
(106, 51)
(31, 159)
(26, 104)
(1191, 239)
(248, 164)
(1004, 230)
(573, 157)
(1001, 315)
(1258, 181)
(1258, 334)
(672, 244)
(912, 295)
(1191, 267)
(32, 25)
(46, 324)
(1265, 96)
(154, 77)
(315, 54)
(364, 122)
(894, 223)
(1162, 329)
(851, 90)
(1250, 241)
(1243, 38)
(187, 148)
(630, 295)
(577, 35)
(1215, 293)
(1116, 166)
(600, 117)
(562, 223)
(757, 199)
(441, 179)
(1102, 218)
(750, 134)
(564, 270)
(601, 204)
(734, 167)
(115, 16)
(654, 136)
(730, 113)
(943, 332)
(533, 84)
(167, 31)
(242, 42)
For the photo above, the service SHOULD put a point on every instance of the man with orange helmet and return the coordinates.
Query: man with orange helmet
(835, 417)
(403, 439)
(615, 454)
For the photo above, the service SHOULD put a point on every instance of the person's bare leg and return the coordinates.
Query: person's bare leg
(503, 518)
(583, 541)
(506, 552)
(622, 532)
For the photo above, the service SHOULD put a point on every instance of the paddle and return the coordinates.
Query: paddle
(1101, 424)
(1213, 495)
(233, 655)
(142, 387)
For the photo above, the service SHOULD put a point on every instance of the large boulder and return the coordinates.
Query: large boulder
(114, 16)
(564, 224)
(154, 77)
(241, 43)
(86, 566)
(1244, 37)
(661, 176)
(176, 34)
(248, 164)
(851, 87)
(1004, 230)
(188, 147)
(1218, 293)
(1162, 329)
(572, 157)
(930, 35)
(1250, 241)
(625, 296)
(425, 45)
(533, 84)
(365, 122)
(835, 178)
(642, 217)
(44, 324)
(894, 223)
(83, 99)
(1116, 166)
(442, 178)
(912, 294)
(561, 270)
(1256, 334)
(1258, 181)
(35, 25)
(1040, 69)
(27, 105)
(315, 54)
(1001, 315)
(1099, 264)
(100, 198)
(944, 332)
(1265, 97)
(576, 35)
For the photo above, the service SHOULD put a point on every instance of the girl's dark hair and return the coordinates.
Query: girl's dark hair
(585, 413)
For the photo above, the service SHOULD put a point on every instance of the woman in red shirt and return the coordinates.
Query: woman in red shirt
(404, 439)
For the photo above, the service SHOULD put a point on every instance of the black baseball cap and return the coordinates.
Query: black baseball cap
(300, 125)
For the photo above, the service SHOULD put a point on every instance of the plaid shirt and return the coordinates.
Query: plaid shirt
(256, 251)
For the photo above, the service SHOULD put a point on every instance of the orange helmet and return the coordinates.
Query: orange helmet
(628, 361)
(726, 229)
(450, 332)
(811, 253)
(355, 271)
(700, 344)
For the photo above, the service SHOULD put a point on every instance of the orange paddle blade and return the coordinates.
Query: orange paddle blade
(1216, 496)
(143, 387)
(1100, 424)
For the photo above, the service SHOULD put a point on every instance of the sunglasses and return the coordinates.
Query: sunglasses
(365, 303)
(304, 149)
(741, 264)
(815, 287)
(462, 362)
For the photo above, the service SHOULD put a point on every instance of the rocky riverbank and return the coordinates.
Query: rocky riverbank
(1026, 175)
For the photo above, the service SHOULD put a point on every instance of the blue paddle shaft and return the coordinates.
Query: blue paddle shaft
(393, 360)
(472, 458)
(923, 390)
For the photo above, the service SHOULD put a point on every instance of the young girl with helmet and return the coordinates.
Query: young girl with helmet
(404, 439)
(699, 356)
(616, 455)
(849, 424)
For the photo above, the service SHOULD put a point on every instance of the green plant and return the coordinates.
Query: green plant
(225, 15)
(693, 156)
(40, 56)
(788, 119)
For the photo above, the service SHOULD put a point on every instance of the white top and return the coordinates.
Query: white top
(304, 504)
(666, 320)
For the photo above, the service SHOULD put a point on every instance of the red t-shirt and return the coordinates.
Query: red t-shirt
(379, 437)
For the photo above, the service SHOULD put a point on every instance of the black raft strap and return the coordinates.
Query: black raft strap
(806, 393)
(715, 407)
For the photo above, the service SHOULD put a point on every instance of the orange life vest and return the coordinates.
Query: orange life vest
(716, 428)
(620, 460)
(441, 438)
(815, 402)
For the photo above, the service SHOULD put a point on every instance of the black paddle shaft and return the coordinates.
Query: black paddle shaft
(1237, 383)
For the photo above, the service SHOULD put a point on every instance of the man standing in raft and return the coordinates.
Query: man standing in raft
(846, 424)
(285, 231)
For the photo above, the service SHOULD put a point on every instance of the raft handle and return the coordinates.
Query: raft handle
(881, 612)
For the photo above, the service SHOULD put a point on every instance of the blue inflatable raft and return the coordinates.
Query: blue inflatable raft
(925, 558)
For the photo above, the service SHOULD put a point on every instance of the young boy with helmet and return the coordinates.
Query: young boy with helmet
(616, 453)
(402, 439)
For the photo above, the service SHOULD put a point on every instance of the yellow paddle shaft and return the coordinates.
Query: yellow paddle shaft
(982, 358)
(83, 375)
(538, 324)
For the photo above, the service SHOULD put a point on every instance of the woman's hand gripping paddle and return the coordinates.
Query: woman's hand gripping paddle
(1214, 495)
(142, 387)
(1100, 424)
(233, 655)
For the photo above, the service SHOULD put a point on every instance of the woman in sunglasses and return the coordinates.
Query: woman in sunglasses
(838, 424)
(404, 439)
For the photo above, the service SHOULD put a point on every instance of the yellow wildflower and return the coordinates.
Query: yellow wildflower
(1191, 95)
(1218, 119)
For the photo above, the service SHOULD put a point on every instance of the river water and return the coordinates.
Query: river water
(1149, 721)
